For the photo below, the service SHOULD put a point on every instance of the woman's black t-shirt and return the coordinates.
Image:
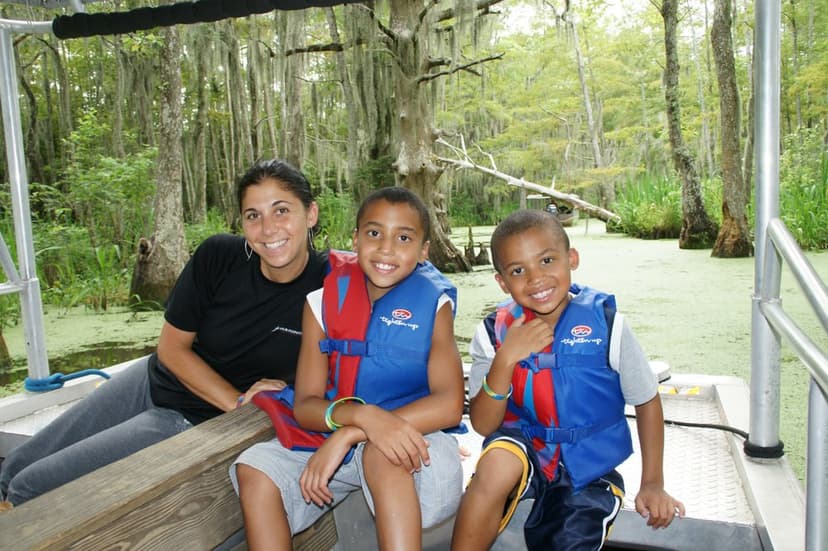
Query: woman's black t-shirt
(247, 327)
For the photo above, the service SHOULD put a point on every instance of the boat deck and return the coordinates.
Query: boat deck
(732, 502)
(704, 468)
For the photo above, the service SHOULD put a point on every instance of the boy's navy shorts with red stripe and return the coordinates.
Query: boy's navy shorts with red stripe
(561, 520)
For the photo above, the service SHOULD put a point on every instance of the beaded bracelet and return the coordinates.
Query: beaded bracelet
(333, 425)
(239, 401)
(494, 395)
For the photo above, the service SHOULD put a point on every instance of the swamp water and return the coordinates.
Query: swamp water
(686, 308)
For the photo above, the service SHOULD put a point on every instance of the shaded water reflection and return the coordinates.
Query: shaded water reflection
(105, 354)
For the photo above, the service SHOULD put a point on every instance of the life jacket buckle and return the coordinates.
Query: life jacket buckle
(346, 347)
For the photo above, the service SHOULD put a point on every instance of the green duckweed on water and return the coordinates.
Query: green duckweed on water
(686, 308)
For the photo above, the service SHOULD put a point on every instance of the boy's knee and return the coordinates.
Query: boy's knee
(499, 472)
(376, 465)
(252, 480)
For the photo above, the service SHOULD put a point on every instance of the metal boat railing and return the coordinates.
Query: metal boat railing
(815, 360)
(769, 322)
(25, 281)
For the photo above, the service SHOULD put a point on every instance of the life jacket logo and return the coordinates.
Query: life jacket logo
(581, 331)
(401, 314)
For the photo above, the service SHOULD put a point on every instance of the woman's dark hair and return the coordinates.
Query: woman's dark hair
(289, 177)
(396, 195)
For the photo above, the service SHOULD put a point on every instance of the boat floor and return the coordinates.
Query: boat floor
(732, 502)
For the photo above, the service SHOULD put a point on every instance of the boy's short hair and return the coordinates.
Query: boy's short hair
(396, 195)
(520, 221)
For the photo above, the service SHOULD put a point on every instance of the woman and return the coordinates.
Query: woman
(232, 327)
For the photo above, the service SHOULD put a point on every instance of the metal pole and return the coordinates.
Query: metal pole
(764, 378)
(30, 304)
(816, 483)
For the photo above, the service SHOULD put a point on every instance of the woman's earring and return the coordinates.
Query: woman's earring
(248, 250)
(310, 240)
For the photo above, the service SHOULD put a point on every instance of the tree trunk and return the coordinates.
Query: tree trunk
(697, 229)
(734, 237)
(706, 140)
(747, 157)
(118, 102)
(351, 107)
(414, 166)
(162, 257)
(293, 121)
(607, 192)
(196, 196)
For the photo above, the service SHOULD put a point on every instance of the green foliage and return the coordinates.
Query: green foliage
(79, 274)
(482, 205)
(337, 218)
(108, 195)
(804, 188)
(373, 174)
(213, 223)
(649, 207)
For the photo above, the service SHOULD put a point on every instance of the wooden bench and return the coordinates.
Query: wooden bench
(173, 495)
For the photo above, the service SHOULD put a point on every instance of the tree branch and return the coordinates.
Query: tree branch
(330, 47)
(423, 13)
(482, 6)
(567, 198)
(432, 76)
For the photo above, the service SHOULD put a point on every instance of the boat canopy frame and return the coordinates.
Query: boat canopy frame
(774, 243)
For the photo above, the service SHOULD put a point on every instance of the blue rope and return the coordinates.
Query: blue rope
(56, 380)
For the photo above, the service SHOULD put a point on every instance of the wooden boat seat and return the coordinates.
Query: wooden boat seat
(173, 495)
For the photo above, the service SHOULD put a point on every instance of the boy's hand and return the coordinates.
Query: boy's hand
(524, 338)
(396, 438)
(657, 506)
(320, 468)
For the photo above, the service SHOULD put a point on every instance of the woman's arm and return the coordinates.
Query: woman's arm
(175, 351)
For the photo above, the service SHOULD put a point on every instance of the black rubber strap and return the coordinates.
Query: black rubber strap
(140, 19)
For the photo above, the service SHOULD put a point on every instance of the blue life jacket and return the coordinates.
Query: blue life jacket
(388, 356)
(380, 354)
(567, 399)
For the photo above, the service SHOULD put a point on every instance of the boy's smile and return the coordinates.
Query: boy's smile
(389, 243)
(536, 271)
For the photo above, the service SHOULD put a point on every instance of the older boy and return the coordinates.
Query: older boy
(552, 406)
(378, 372)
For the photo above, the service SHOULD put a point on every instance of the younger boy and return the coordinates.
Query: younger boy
(552, 407)
(378, 372)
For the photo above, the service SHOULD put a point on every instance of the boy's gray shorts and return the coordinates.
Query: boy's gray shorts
(439, 485)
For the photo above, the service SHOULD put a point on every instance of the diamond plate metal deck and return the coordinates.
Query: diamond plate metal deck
(706, 470)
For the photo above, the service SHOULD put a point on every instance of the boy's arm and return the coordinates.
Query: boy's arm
(399, 434)
(485, 412)
(521, 340)
(443, 406)
(311, 377)
(652, 501)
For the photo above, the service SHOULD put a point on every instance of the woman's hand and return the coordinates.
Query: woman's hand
(259, 386)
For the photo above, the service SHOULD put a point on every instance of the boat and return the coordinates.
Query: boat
(723, 458)
(567, 215)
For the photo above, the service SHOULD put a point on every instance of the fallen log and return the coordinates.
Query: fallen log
(567, 198)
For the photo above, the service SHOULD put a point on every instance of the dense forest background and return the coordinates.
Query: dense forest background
(642, 109)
